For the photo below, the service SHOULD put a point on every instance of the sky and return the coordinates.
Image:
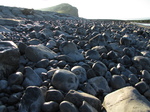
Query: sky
(93, 9)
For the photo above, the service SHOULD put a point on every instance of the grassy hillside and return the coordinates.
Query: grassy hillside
(63, 8)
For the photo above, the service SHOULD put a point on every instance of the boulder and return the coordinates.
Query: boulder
(65, 80)
(32, 100)
(127, 99)
(37, 52)
(66, 106)
(77, 98)
(9, 58)
(31, 78)
(70, 49)
(100, 84)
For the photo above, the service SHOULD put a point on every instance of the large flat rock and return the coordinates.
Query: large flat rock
(127, 99)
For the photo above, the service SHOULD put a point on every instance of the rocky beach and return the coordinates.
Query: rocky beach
(52, 62)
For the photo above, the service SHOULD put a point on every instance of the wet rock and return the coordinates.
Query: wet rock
(99, 84)
(77, 98)
(32, 100)
(65, 80)
(85, 107)
(37, 52)
(15, 78)
(9, 58)
(31, 78)
(50, 106)
(99, 68)
(80, 72)
(54, 95)
(66, 106)
(70, 49)
(117, 82)
(126, 99)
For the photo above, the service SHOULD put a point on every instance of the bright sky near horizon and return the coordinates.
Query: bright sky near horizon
(93, 9)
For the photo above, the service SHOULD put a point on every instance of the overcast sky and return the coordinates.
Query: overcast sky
(94, 9)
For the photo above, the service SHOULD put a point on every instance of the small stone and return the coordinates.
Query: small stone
(147, 94)
(117, 82)
(22, 46)
(50, 106)
(34, 42)
(80, 72)
(54, 95)
(100, 49)
(99, 68)
(141, 87)
(112, 55)
(15, 78)
(51, 44)
(125, 40)
(65, 80)
(86, 107)
(32, 100)
(66, 106)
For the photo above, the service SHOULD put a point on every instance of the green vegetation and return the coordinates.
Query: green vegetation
(140, 21)
(63, 8)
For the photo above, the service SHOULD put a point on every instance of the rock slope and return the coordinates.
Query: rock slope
(53, 62)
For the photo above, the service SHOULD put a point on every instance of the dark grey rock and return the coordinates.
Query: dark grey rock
(4, 29)
(100, 49)
(3, 108)
(3, 84)
(31, 78)
(70, 49)
(86, 107)
(15, 78)
(50, 106)
(133, 79)
(66, 106)
(54, 95)
(112, 55)
(99, 68)
(65, 58)
(16, 88)
(147, 94)
(140, 62)
(97, 40)
(34, 42)
(22, 46)
(42, 63)
(114, 70)
(129, 52)
(90, 73)
(9, 58)
(9, 22)
(87, 88)
(51, 44)
(37, 52)
(117, 82)
(65, 80)
(46, 32)
(92, 54)
(126, 60)
(141, 87)
(100, 84)
(62, 63)
(77, 98)
(80, 72)
(125, 40)
(32, 100)
(146, 76)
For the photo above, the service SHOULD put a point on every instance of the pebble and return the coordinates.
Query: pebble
(50, 106)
